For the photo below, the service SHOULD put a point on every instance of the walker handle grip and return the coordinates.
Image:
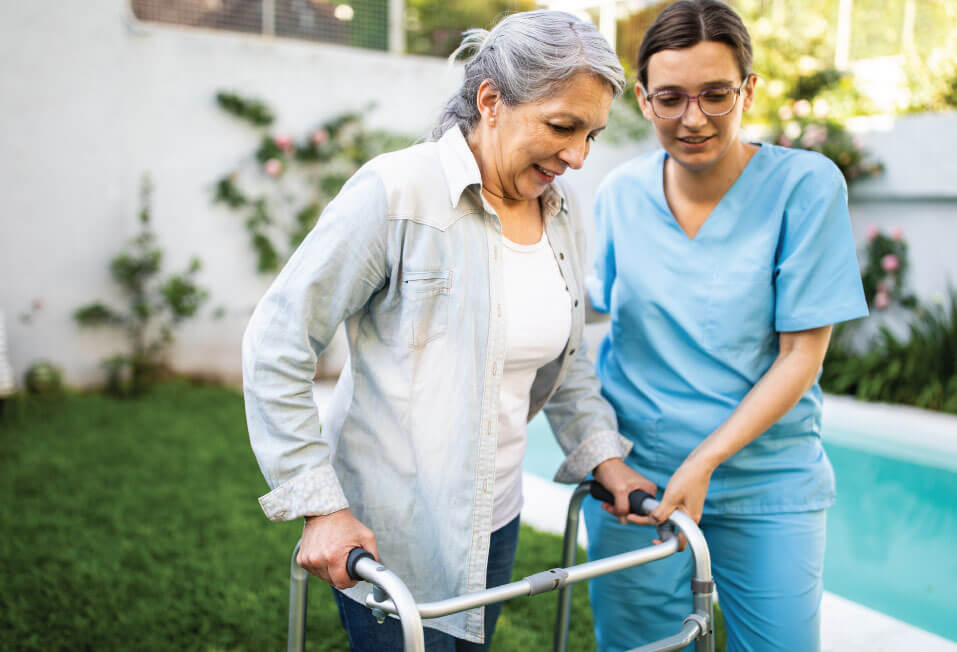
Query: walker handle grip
(354, 556)
(635, 498)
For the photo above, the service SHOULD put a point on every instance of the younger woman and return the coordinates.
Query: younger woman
(723, 264)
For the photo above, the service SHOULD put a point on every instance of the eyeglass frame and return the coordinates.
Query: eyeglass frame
(688, 97)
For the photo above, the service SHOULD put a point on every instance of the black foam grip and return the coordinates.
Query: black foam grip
(635, 498)
(354, 556)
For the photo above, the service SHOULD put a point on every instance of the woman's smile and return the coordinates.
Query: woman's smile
(695, 143)
(547, 175)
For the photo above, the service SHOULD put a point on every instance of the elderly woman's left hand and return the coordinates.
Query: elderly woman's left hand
(620, 479)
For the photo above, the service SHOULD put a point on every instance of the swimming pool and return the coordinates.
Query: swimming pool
(891, 537)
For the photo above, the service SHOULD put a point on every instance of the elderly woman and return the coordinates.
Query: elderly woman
(458, 268)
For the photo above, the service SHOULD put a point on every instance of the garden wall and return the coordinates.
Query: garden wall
(92, 99)
(917, 192)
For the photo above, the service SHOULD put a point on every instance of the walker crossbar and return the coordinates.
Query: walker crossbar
(391, 596)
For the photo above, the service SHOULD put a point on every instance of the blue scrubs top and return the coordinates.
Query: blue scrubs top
(694, 322)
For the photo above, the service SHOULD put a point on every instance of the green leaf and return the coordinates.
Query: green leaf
(227, 192)
(253, 111)
(97, 314)
(182, 296)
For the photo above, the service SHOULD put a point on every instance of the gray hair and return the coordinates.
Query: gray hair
(528, 56)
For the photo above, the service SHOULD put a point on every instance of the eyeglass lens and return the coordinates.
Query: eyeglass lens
(715, 102)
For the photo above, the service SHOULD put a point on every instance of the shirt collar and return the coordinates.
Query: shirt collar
(462, 171)
(458, 164)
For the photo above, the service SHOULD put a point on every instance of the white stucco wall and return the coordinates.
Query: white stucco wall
(90, 100)
(917, 192)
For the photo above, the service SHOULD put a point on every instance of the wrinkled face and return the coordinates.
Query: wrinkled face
(530, 144)
(696, 141)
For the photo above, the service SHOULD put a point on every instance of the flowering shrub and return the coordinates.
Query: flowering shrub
(916, 367)
(829, 138)
(282, 188)
(809, 125)
(884, 267)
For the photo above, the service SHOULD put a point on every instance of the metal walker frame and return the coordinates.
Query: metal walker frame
(391, 596)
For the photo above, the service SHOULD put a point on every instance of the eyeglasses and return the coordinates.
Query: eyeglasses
(714, 102)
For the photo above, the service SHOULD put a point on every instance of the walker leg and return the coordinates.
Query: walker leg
(704, 605)
(297, 604)
(569, 551)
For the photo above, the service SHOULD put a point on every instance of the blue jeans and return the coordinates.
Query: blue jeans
(767, 569)
(366, 635)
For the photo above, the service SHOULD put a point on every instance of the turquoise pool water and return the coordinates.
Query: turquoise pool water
(891, 537)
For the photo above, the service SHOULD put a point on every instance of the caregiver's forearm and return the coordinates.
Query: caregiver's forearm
(793, 373)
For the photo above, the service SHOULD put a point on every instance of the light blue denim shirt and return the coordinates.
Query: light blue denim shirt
(409, 256)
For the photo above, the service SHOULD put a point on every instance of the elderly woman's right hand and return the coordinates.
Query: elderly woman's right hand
(326, 543)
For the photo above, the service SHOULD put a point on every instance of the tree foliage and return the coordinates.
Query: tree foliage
(434, 27)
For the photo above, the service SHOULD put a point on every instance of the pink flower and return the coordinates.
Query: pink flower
(283, 142)
(872, 231)
(890, 262)
(319, 137)
(897, 233)
(784, 141)
(802, 108)
(814, 135)
(273, 167)
(882, 300)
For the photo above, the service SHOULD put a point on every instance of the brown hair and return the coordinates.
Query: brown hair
(689, 22)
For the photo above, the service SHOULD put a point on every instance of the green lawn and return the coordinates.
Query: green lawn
(133, 525)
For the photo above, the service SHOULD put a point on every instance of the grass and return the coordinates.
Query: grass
(133, 524)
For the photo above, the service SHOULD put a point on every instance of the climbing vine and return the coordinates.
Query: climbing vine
(281, 188)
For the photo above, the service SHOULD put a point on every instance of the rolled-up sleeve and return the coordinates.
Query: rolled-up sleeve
(331, 276)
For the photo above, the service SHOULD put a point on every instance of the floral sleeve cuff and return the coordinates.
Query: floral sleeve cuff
(312, 493)
(590, 453)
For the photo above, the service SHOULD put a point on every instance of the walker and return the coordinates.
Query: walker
(390, 595)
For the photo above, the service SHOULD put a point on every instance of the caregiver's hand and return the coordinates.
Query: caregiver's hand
(686, 491)
(326, 543)
(620, 479)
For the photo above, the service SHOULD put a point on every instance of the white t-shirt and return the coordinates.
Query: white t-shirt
(537, 327)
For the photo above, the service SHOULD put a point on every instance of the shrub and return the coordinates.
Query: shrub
(884, 268)
(155, 308)
(43, 379)
(920, 370)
